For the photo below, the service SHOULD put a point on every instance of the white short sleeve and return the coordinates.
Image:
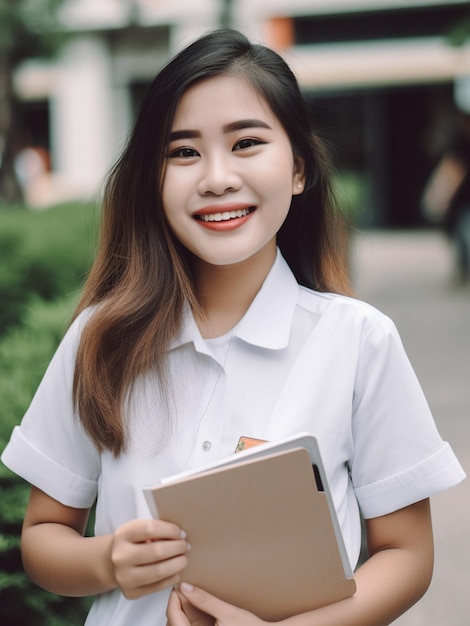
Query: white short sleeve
(399, 456)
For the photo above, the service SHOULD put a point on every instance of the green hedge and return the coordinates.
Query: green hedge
(24, 354)
(42, 253)
(43, 259)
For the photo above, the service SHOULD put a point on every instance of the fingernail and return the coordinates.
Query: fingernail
(183, 534)
(188, 546)
(186, 587)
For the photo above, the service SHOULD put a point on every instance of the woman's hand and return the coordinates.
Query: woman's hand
(210, 611)
(180, 612)
(147, 556)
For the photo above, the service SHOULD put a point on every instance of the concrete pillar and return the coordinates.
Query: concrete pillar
(82, 116)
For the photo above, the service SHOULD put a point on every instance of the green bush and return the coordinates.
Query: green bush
(44, 257)
(43, 253)
(25, 352)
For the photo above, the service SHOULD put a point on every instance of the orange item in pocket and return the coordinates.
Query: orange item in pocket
(247, 442)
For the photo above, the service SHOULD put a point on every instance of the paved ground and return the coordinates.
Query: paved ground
(408, 276)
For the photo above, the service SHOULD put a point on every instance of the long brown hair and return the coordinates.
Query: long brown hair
(141, 278)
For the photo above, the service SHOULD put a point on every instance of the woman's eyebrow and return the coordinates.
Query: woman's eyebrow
(241, 124)
(184, 134)
(228, 128)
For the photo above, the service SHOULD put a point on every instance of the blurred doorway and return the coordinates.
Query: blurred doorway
(389, 138)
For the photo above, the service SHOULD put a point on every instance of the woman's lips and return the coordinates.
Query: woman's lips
(222, 218)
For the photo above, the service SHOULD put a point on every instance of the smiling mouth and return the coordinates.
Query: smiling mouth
(225, 216)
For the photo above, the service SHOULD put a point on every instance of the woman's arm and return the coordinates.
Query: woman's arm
(443, 184)
(141, 557)
(395, 576)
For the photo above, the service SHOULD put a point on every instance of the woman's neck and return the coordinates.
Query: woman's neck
(226, 292)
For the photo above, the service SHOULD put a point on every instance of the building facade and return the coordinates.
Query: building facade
(383, 77)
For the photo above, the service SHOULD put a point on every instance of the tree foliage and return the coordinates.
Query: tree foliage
(459, 33)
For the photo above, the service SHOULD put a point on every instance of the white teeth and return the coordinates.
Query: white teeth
(223, 217)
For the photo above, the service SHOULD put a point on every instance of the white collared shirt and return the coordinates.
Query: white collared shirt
(298, 361)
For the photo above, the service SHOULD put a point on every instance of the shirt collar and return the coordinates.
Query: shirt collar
(268, 321)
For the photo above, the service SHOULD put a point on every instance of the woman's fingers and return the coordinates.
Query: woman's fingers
(140, 530)
(147, 555)
(195, 616)
(174, 612)
(180, 612)
(224, 614)
(149, 552)
(142, 580)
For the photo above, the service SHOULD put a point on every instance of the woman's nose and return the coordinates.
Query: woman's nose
(218, 177)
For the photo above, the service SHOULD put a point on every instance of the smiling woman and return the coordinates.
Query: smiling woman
(235, 172)
(215, 310)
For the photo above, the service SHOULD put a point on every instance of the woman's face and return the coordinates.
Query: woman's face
(230, 172)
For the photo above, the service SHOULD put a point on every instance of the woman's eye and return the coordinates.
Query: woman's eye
(247, 143)
(183, 153)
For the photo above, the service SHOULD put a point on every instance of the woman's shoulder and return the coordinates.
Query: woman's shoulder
(355, 320)
(334, 304)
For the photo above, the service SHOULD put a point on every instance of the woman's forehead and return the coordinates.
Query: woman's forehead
(221, 98)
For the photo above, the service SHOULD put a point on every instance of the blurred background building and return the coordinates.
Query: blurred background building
(385, 78)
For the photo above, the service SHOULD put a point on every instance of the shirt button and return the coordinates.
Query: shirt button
(206, 445)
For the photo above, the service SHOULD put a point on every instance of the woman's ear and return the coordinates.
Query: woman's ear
(298, 181)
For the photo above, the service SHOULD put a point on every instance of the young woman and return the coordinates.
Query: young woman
(213, 311)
